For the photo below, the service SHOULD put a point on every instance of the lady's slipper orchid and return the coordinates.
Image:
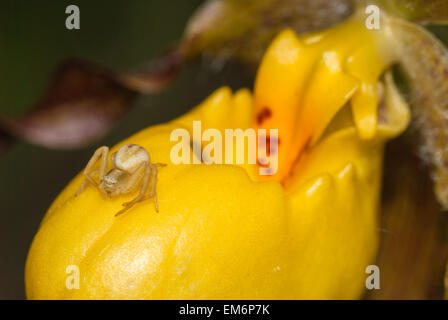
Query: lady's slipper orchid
(224, 231)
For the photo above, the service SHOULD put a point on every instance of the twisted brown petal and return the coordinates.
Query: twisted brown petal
(81, 103)
(424, 60)
(158, 75)
(421, 11)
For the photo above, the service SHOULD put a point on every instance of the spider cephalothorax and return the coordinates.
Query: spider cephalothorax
(131, 166)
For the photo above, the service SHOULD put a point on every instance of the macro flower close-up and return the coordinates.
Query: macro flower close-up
(309, 162)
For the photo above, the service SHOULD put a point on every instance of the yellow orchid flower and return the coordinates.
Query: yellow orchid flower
(225, 232)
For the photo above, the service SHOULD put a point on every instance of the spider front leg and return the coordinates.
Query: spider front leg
(101, 152)
(153, 190)
(84, 183)
(150, 175)
(132, 181)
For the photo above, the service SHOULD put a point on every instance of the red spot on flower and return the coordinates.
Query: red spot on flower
(264, 114)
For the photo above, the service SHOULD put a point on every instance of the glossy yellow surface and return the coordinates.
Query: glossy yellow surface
(221, 232)
(306, 80)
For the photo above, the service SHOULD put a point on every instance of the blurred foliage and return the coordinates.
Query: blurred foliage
(121, 35)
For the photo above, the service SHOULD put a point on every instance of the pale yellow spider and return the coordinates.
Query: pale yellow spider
(131, 165)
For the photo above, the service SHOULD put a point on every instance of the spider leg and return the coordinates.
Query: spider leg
(84, 183)
(152, 187)
(158, 165)
(101, 152)
(143, 189)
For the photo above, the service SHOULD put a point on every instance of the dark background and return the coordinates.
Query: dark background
(121, 35)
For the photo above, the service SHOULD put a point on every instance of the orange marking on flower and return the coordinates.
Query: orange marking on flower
(264, 114)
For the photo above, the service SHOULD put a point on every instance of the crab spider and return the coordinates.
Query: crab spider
(131, 166)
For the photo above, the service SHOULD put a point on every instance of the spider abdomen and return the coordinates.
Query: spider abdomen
(129, 157)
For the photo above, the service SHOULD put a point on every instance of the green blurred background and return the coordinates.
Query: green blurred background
(121, 35)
